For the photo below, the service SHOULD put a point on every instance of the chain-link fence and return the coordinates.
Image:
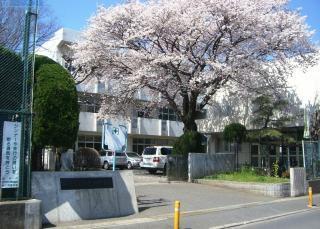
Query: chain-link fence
(311, 154)
(18, 19)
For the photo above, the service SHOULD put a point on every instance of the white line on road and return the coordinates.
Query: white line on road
(263, 219)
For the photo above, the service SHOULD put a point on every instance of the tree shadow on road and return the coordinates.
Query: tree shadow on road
(145, 203)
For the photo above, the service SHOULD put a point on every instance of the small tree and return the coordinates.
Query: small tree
(236, 133)
(267, 111)
(56, 119)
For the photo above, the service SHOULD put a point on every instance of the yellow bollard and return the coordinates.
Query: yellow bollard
(310, 199)
(176, 215)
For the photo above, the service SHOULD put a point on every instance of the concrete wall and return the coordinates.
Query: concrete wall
(69, 205)
(274, 190)
(202, 164)
(298, 182)
(24, 214)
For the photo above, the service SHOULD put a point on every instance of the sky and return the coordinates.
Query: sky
(74, 14)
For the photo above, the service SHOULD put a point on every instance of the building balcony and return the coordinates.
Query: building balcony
(137, 126)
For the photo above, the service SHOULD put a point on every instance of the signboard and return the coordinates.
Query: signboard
(115, 137)
(10, 155)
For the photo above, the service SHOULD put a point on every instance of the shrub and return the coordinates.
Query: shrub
(275, 169)
(11, 75)
(234, 132)
(285, 174)
(56, 108)
(87, 159)
(190, 141)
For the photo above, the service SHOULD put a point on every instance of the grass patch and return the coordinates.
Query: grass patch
(247, 175)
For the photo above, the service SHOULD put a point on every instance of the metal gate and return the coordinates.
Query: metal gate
(177, 169)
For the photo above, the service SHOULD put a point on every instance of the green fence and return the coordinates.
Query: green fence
(16, 82)
(311, 155)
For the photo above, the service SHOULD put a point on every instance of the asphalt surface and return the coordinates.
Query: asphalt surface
(264, 215)
(204, 206)
(159, 198)
(310, 220)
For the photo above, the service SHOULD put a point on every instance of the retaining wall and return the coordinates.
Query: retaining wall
(20, 214)
(274, 190)
(70, 196)
(203, 164)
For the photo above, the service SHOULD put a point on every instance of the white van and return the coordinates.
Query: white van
(154, 158)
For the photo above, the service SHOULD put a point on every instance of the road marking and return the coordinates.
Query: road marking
(262, 219)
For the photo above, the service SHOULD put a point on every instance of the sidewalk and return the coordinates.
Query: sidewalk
(219, 217)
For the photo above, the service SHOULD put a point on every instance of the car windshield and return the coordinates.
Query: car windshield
(133, 155)
(150, 151)
(120, 155)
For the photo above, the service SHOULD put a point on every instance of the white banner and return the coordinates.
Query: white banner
(115, 137)
(10, 159)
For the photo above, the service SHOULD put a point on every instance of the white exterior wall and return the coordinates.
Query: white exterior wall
(88, 122)
(175, 128)
(145, 126)
(244, 154)
(216, 145)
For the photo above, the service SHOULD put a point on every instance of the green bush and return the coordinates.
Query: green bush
(87, 159)
(56, 119)
(235, 132)
(11, 75)
(189, 142)
(41, 60)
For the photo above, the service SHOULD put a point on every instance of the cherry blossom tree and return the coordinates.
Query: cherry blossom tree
(183, 52)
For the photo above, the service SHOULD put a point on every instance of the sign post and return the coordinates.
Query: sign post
(10, 158)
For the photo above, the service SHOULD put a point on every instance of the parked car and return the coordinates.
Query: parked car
(133, 160)
(106, 158)
(155, 158)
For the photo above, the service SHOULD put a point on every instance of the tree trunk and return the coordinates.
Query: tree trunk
(189, 125)
(189, 112)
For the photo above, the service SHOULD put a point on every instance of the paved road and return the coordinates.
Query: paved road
(202, 206)
(159, 198)
(310, 220)
(225, 218)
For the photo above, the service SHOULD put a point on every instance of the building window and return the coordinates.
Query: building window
(92, 108)
(254, 155)
(89, 141)
(167, 114)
